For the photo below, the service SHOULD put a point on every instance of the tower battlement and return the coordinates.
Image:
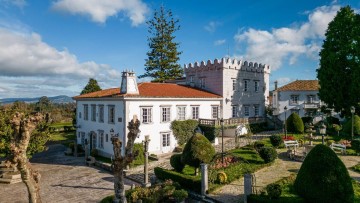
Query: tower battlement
(227, 63)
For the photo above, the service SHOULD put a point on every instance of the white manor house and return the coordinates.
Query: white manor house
(220, 89)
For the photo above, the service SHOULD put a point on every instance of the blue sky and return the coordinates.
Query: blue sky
(52, 47)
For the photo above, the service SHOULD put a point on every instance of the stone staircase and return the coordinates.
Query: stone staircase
(9, 175)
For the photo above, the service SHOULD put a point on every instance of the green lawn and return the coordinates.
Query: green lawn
(58, 125)
(62, 136)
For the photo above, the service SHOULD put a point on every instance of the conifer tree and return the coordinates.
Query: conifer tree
(339, 71)
(163, 56)
(92, 86)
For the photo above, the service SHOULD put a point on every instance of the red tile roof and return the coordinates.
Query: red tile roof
(301, 85)
(158, 90)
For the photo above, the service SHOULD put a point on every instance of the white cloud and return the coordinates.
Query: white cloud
(100, 10)
(286, 44)
(212, 26)
(27, 62)
(220, 42)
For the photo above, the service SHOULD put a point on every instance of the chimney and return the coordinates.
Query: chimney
(128, 83)
(276, 85)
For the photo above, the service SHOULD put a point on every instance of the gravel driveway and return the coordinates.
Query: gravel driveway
(63, 179)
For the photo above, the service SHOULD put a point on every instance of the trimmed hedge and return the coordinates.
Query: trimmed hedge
(268, 154)
(189, 182)
(139, 159)
(258, 145)
(175, 162)
(257, 127)
(210, 132)
(323, 177)
(294, 124)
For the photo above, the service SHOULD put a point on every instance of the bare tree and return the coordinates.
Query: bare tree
(22, 129)
(122, 160)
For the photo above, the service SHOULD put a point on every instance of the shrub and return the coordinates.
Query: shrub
(210, 132)
(324, 178)
(257, 127)
(294, 124)
(221, 177)
(307, 119)
(268, 154)
(183, 130)
(355, 145)
(180, 195)
(186, 181)
(332, 120)
(275, 140)
(94, 153)
(197, 150)
(347, 126)
(175, 162)
(273, 190)
(258, 145)
(139, 159)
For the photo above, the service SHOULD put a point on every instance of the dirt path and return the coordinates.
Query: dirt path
(282, 167)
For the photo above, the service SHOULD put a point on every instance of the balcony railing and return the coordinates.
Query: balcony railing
(311, 105)
(231, 121)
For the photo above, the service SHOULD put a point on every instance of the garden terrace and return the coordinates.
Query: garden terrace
(232, 121)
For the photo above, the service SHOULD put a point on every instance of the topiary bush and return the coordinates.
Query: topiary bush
(347, 126)
(175, 162)
(355, 145)
(276, 140)
(183, 130)
(294, 124)
(258, 145)
(197, 150)
(268, 154)
(273, 190)
(324, 178)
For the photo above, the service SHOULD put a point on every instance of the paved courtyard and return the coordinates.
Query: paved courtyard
(63, 179)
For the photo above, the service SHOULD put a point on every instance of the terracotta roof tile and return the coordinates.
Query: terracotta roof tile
(301, 85)
(158, 90)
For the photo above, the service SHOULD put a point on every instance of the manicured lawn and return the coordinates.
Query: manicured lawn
(62, 136)
(58, 125)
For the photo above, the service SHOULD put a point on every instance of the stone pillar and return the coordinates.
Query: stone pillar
(75, 148)
(86, 150)
(204, 179)
(146, 164)
(247, 186)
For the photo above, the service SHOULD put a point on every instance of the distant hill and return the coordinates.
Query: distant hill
(56, 100)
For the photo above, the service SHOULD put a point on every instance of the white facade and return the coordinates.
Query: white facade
(244, 86)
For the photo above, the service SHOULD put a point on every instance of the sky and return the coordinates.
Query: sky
(53, 47)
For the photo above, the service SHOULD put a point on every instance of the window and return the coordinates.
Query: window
(181, 112)
(165, 139)
(83, 139)
(246, 85)
(146, 114)
(215, 112)
(86, 112)
(202, 82)
(256, 110)
(101, 113)
(165, 114)
(310, 98)
(111, 115)
(79, 134)
(294, 99)
(246, 111)
(93, 112)
(234, 84)
(195, 112)
(191, 78)
(94, 140)
(79, 114)
(106, 138)
(256, 86)
(101, 139)
(234, 111)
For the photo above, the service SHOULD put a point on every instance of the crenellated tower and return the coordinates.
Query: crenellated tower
(244, 85)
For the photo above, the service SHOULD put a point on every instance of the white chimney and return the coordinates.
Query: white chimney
(128, 83)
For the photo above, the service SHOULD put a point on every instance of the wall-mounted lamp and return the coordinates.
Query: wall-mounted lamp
(112, 132)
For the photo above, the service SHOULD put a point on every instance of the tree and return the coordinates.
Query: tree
(122, 160)
(294, 123)
(183, 130)
(339, 70)
(92, 86)
(163, 56)
(323, 177)
(44, 104)
(22, 131)
(197, 150)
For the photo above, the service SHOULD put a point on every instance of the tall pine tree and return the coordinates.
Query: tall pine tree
(163, 56)
(339, 71)
(92, 86)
